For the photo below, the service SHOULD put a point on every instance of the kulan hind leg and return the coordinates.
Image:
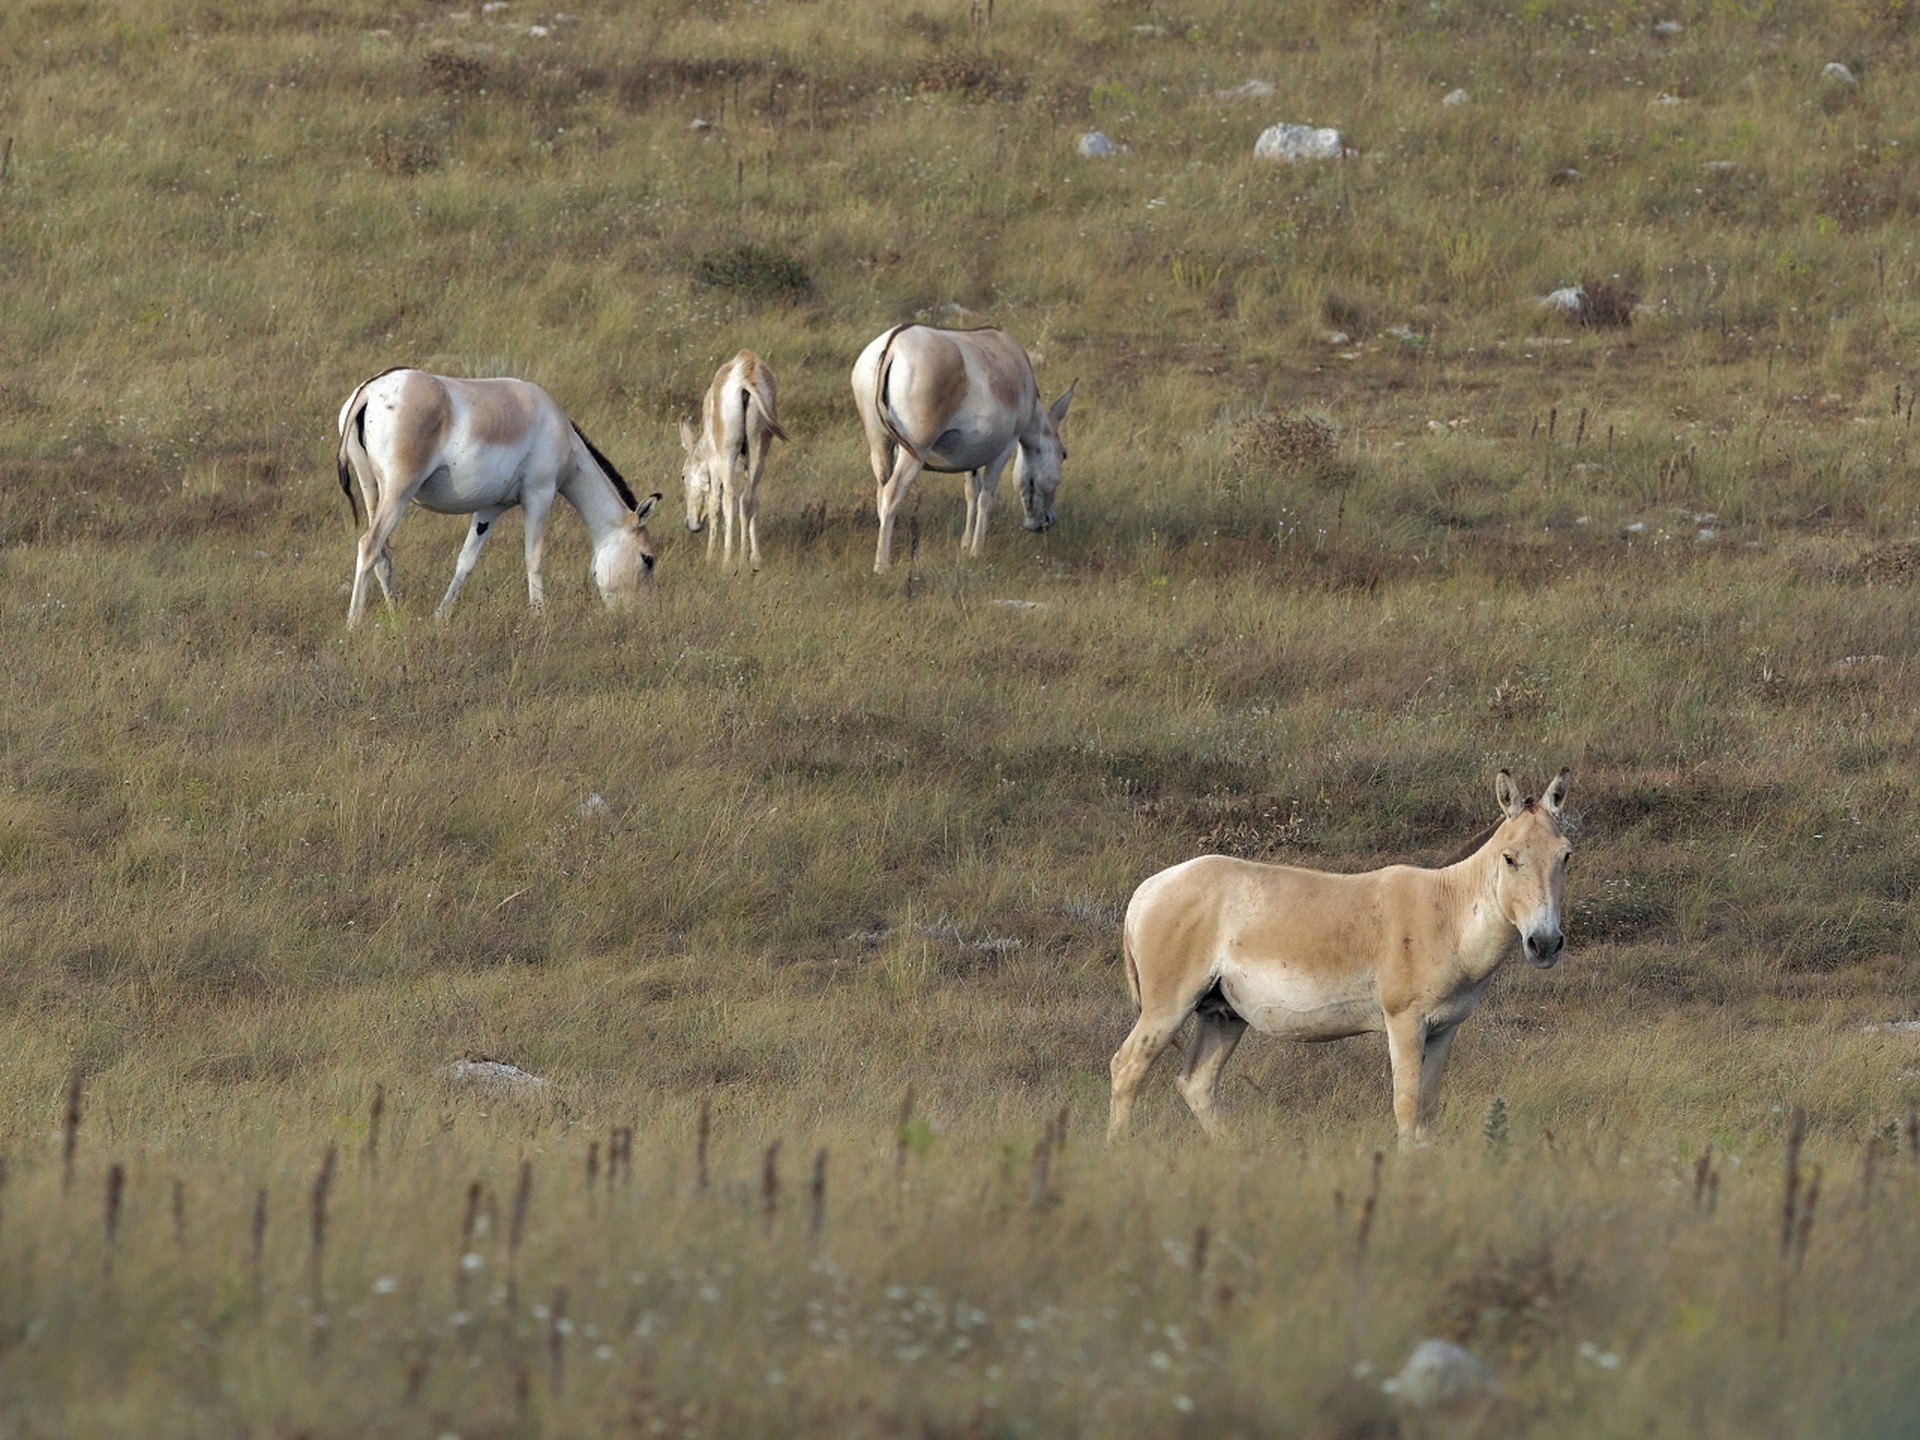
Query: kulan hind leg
(1133, 1060)
(1216, 1034)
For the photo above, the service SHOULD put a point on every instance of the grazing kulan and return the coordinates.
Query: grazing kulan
(957, 402)
(1308, 955)
(480, 447)
(726, 459)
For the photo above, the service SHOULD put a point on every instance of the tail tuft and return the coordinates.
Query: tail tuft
(340, 463)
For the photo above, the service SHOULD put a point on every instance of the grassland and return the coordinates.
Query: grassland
(858, 835)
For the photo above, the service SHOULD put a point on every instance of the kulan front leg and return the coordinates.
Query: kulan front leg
(477, 531)
(537, 508)
(1432, 1066)
(1406, 1053)
(1214, 1038)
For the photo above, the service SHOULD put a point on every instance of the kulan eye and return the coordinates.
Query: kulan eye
(1511, 862)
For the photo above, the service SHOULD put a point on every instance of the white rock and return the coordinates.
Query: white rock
(1668, 28)
(1892, 1027)
(1721, 167)
(1834, 70)
(1438, 1373)
(1663, 98)
(1022, 604)
(1570, 300)
(1094, 145)
(595, 807)
(1339, 337)
(1251, 90)
(1455, 97)
(700, 122)
(1293, 143)
(494, 1077)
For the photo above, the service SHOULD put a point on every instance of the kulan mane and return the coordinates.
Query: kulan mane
(619, 480)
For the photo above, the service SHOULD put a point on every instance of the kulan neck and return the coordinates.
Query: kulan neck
(591, 493)
(1483, 936)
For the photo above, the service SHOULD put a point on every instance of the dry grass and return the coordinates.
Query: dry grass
(856, 835)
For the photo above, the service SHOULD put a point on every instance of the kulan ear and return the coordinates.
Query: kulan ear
(1058, 410)
(645, 508)
(1556, 795)
(687, 437)
(1512, 802)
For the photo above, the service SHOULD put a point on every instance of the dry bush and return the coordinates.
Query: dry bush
(451, 73)
(967, 73)
(1281, 442)
(1605, 304)
(393, 155)
(755, 271)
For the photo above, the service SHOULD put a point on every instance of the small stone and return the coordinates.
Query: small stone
(494, 1077)
(1667, 29)
(1440, 1373)
(1835, 71)
(1251, 90)
(1094, 145)
(1455, 97)
(1294, 143)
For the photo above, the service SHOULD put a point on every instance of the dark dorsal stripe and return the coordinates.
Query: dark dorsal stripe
(1472, 847)
(619, 480)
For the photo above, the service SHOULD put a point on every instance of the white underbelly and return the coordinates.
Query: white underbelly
(1283, 1002)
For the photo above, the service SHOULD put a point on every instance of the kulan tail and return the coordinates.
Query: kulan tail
(763, 401)
(353, 430)
(881, 374)
(1133, 967)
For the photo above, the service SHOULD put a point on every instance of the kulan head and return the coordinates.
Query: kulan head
(1534, 854)
(696, 475)
(623, 561)
(1036, 466)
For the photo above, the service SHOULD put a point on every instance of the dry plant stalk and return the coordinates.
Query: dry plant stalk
(259, 1255)
(817, 1195)
(1804, 1231)
(701, 1137)
(116, 1188)
(900, 1135)
(1367, 1210)
(375, 1112)
(770, 1185)
(557, 1341)
(1042, 1166)
(468, 1223)
(1703, 1171)
(180, 1213)
(516, 1231)
(70, 1131)
(1790, 1203)
(322, 1187)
